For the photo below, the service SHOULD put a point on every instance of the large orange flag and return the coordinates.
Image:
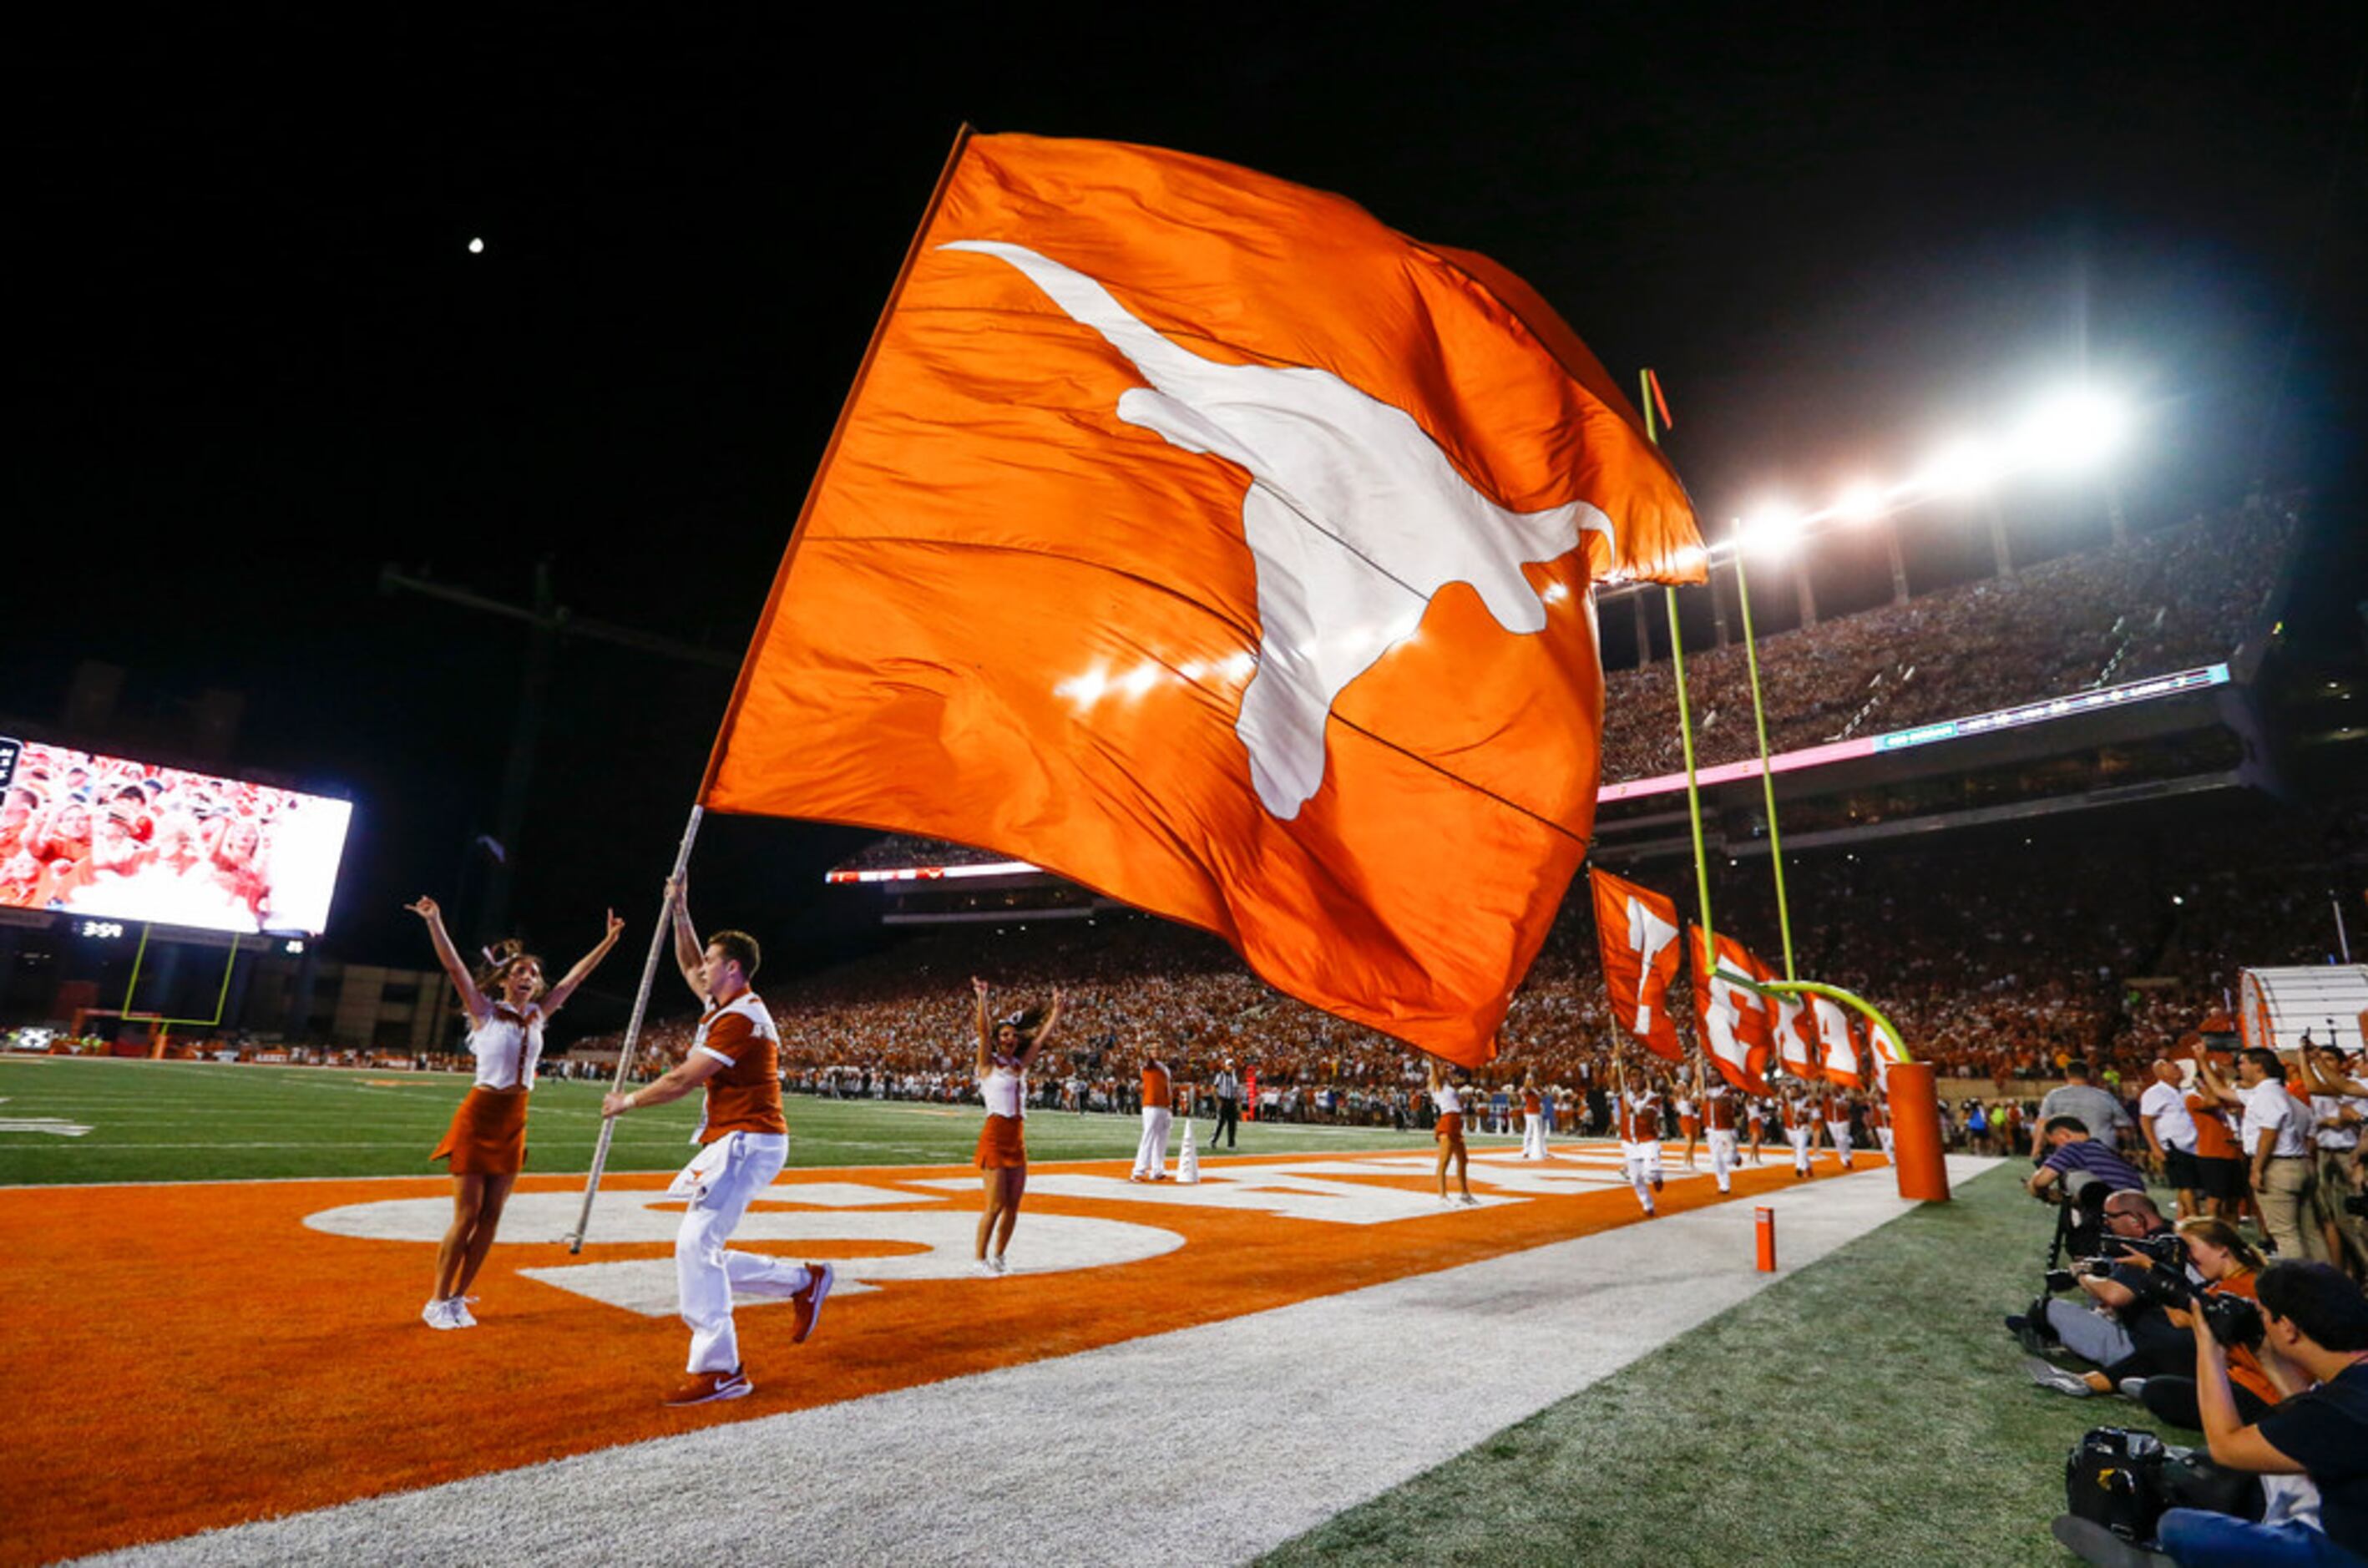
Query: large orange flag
(1636, 938)
(1194, 536)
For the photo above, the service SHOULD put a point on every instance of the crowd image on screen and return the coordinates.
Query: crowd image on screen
(81, 833)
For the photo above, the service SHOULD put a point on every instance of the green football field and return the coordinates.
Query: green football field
(204, 1121)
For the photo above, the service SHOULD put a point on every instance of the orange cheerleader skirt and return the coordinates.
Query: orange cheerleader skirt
(1002, 1143)
(488, 1133)
(1450, 1130)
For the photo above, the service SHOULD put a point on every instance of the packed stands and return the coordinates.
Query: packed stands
(2174, 599)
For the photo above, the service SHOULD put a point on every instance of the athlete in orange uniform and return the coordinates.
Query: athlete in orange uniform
(1638, 1113)
(1533, 1119)
(735, 1057)
(1717, 1100)
(1004, 1053)
(1800, 1126)
(486, 1141)
(1835, 1107)
(1158, 1094)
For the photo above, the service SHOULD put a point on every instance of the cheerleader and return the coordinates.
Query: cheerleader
(1449, 1134)
(1005, 1050)
(508, 1006)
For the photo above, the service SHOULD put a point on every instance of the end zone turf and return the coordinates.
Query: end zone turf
(259, 1363)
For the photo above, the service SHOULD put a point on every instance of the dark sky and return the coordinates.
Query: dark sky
(260, 363)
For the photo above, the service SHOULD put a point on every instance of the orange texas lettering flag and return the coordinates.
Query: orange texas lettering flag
(1636, 937)
(1198, 538)
(1737, 1027)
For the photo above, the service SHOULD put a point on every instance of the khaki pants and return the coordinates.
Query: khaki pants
(2284, 1193)
(2327, 1200)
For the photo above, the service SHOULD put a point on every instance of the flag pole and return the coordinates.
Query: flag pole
(659, 939)
(1767, 777)
(1685, 720)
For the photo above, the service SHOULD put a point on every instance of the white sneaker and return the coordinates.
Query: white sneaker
(984, 1269)
(996, 1263)
(1467, 1200)
(438, 1314)
(462, 1316)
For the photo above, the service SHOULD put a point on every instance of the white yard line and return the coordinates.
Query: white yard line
(1207, 1444)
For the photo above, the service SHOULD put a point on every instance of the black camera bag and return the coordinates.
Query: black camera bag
(2114, 1477)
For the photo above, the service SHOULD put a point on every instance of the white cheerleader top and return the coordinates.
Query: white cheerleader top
(506, 1046)
(1003, 1089)
(1449, 1102)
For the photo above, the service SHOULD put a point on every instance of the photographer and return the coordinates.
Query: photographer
(2118, 1320)
(2231, 1270)
(2315, 1332)
(2071, 1148)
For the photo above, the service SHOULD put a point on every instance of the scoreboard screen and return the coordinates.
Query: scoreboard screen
(109, 838)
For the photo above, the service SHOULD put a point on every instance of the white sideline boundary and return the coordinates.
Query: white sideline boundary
(1205, 1445)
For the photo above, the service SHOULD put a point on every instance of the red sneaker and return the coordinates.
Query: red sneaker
(807, 1303)
(703, 1388)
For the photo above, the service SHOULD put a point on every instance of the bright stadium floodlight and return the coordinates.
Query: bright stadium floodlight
(1963, 467)
(1860, 503)
(1770, 531)
(2071, 430)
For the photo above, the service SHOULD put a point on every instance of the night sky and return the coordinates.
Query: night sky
(259, 362)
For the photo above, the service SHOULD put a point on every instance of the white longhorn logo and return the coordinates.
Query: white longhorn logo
(1354, 517)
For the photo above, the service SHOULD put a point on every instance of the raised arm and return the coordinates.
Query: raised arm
(985, 1033)
(2317, 1078)
(1044, 1030)
(690, 953)
(2207, 1077)
(584, 968)
(471, 999)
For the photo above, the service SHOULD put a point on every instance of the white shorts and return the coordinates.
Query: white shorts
(1644, 1158)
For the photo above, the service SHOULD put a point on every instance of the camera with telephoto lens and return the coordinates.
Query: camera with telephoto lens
(2234, 1322)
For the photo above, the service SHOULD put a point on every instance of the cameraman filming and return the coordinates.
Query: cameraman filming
(2315, 1332)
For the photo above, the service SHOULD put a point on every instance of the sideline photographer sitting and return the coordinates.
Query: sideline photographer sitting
(2316, 1331)
(2228, 1304)
(2118, 1320)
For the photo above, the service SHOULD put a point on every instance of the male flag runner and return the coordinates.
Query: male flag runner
(735, 1057)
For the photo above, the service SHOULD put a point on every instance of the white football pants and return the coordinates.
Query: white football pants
(1800, 1137)
(1641, 1163)
(1883, 1136)
(718, 1184)
(1151, 1155)
(1722, 1157)
(1840, 1133)
(1533, 1135)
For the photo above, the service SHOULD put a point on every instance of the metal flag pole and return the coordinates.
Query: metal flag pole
(659, 940)
(1767, 778)
(1685, 721)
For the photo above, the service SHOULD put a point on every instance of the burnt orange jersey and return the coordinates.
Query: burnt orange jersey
(1530, 1104)
(1718, 1109)
(1155, 1086)
(1640, 1118)
(746, 1096)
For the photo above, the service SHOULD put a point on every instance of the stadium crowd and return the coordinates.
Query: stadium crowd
(2184, 597)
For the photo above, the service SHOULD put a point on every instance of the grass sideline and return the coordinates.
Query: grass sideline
(212, 1122)
(1869, 1409)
